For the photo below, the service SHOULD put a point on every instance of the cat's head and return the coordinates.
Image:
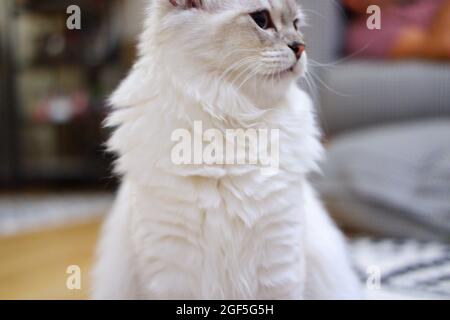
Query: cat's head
(247, 42)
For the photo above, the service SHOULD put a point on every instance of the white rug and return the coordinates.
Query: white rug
(31, 212)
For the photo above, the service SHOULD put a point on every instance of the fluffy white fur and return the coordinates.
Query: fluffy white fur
(217, 232)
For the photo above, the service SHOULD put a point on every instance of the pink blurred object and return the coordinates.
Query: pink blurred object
(61, 109)
(363, 42)
(80, 102)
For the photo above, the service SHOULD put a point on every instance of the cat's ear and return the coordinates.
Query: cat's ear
(187, 4)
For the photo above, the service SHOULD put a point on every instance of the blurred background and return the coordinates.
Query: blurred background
(383, 99)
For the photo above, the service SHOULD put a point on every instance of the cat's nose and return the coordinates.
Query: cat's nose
(298, 48)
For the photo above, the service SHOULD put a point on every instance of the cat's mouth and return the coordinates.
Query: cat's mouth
(284, 73)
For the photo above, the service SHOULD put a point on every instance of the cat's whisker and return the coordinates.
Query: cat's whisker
(315, 64)
(315, 13)
(314, 93)
(244, 64)
(251, 75)
(242, 72)
(271, 77)
(235, 66)
(237, 51)
(337, 62)
(247, 64)
(326, 86)
(308, 83)
(240, 50)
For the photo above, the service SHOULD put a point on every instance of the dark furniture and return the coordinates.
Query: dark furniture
(53, 90)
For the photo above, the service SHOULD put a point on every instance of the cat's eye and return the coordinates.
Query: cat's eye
(296, 24)
(262, 19)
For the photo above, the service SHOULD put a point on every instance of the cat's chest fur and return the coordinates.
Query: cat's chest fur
(238, 246)
(237, 236)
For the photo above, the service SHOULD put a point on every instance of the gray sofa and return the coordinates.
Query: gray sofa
(388, 168)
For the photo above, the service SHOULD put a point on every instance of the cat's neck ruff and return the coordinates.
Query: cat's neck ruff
(149, 105)
(223, 102)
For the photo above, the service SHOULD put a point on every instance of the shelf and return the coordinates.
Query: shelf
(47, 62)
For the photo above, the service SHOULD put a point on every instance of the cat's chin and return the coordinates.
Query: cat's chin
(283, 79)
(286, 74)
(268, 93)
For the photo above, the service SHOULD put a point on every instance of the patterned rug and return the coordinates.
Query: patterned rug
(403, 269)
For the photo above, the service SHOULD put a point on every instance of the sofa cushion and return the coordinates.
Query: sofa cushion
(403, 168)
(369, 92)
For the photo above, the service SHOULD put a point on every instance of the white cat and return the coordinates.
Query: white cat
(218, 231)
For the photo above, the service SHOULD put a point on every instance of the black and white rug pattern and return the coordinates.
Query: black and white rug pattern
(407, 269)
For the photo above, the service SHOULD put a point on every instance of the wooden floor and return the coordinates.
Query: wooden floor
(33, 266)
